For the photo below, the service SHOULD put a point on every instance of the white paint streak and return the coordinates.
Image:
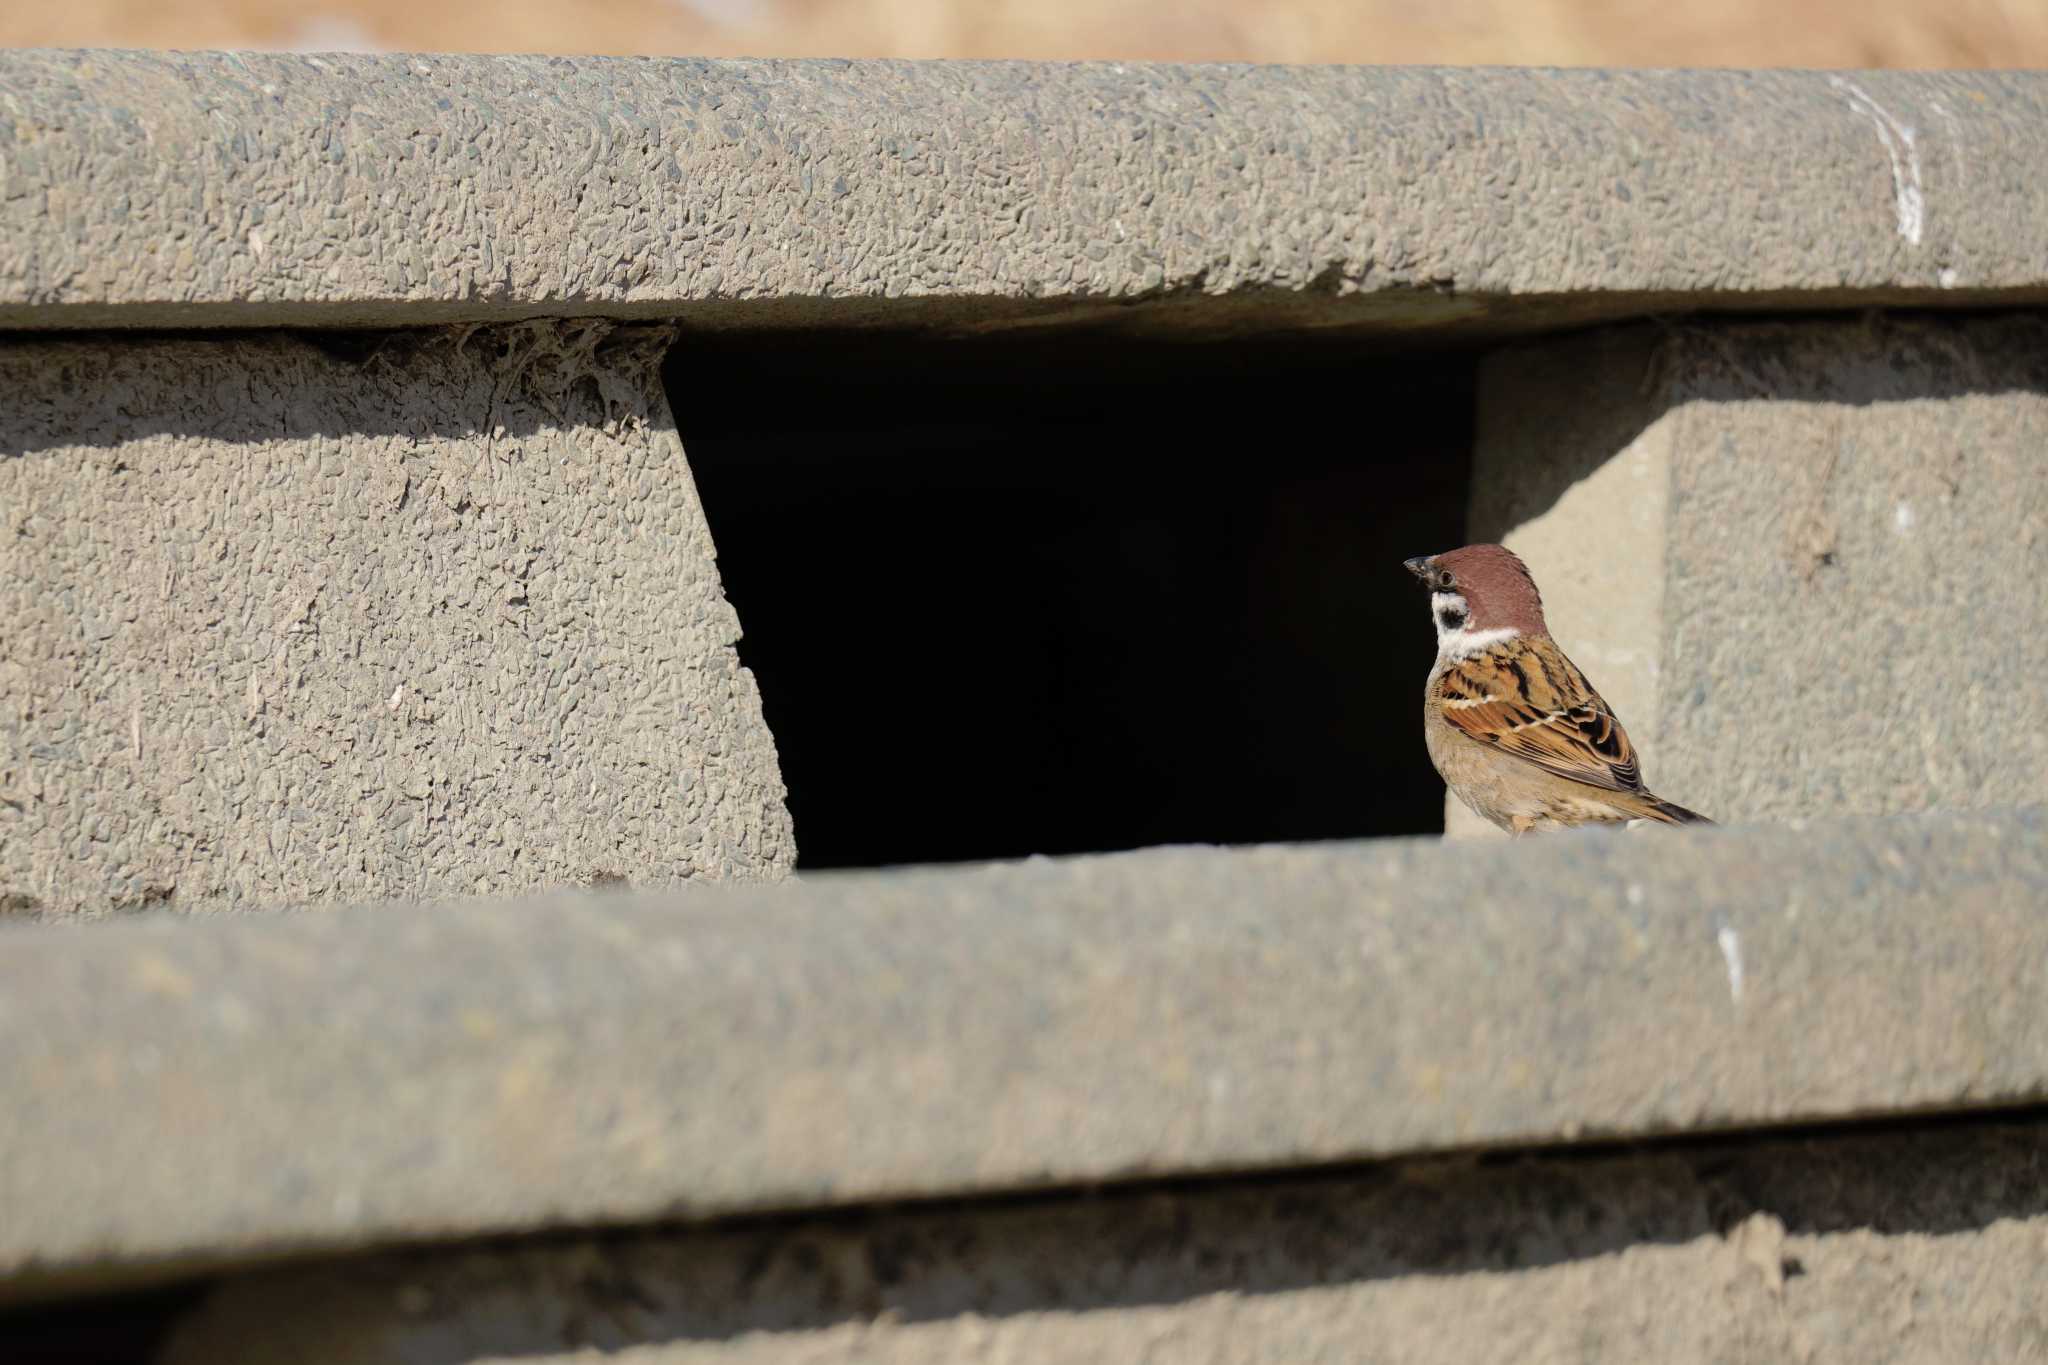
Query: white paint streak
(1731, 953)
(397, 696)
(1902, 516)
(1955, 136)
(1909, 198)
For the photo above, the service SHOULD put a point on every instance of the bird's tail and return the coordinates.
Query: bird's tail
(1670, 813)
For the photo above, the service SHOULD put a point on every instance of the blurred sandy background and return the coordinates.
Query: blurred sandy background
(1899, 33)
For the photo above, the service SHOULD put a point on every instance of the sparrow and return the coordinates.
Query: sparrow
(1512, 726)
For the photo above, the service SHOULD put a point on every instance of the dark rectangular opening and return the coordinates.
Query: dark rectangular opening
(1070, 596)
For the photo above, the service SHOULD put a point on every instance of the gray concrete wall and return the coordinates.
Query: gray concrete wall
(294, 616)
(1803, 561)
(265, 190)
(436, 617)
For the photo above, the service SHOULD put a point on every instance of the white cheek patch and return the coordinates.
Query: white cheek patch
(1441, 602)
(1460, 641)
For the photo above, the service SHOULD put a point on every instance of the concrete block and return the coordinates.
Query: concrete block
(1890, 1247)
(206, 189)
(187, 1092)
(1804, 561)
(427, 615)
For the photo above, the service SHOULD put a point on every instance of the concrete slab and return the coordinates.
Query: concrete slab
(246, 189)
(436, 615)
(194, 1091)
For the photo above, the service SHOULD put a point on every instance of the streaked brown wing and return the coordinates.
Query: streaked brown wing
(1526, 698)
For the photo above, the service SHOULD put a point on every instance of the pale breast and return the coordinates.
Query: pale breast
(1501, 788)
(1467, 769)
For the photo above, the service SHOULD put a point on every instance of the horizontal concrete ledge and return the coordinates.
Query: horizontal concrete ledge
(197, 1091)
(180, 190)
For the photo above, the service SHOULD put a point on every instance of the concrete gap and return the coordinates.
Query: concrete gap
(1056, 597)
(120, 1328)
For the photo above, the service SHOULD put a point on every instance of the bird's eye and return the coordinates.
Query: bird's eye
(1443, 578)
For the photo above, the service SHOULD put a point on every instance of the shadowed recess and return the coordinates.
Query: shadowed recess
(1007, 599)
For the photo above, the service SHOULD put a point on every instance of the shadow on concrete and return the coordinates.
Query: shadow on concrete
(1455, 1216)
(1163, 1243)
(96, 391)
(1885, 358)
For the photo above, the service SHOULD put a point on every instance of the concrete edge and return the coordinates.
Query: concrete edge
(244, 189)
(190, 1092)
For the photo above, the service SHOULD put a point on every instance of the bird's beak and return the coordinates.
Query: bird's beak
(1419, 566)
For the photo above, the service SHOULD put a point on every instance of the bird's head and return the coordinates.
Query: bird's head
(1479, 595)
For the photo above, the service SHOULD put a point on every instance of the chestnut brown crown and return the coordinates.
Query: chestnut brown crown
(1496, 586)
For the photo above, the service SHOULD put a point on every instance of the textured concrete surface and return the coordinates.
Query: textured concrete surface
(1857, 1249)
(433, 618)
(187, 1090)
(254, 190)
(1805, 562)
